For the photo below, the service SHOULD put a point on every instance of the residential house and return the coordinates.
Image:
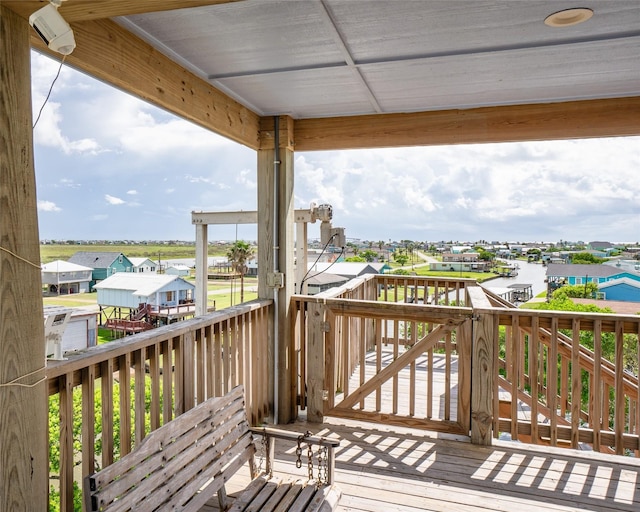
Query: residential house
(318, 282)
(623, 289)
(178, 270)
(104, 264)
(461, 262)
(129, 290)
(577, 274)
(144, 265)
(63, 277)
(350, 269)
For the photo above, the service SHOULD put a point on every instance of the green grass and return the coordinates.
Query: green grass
(72, 301)
(478, 276)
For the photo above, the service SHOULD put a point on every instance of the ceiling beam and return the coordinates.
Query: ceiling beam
(108, 52)
(85, 10)
(547, 121)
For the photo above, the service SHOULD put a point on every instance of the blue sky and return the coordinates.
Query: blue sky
(109, 166)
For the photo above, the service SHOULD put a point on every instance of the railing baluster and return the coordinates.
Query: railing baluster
(576, 384)
(124, 376)
(534, 353)
(620, 401)
(596, 419)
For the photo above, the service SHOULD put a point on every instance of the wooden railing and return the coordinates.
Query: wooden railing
(353, 332)
(582, 370)
(545, 377)
(110, 397)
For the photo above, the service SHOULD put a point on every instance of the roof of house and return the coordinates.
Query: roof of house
(623, 280)
(600, 245)
(179, 266)
(63, 266)
(141, 284)
(320, 278)
(139, 261)
(581, 270)
(95, 259)
(349, 268)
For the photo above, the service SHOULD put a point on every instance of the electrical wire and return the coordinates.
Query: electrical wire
(318, 259)
(49, 93)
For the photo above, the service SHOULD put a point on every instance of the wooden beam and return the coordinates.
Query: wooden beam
(84, 10)
(546, 121)
(114, 55)
(23, 400)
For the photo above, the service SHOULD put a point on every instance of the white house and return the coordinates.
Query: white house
(63, 277)
(178, 270)
(129, 290)
(144, 265)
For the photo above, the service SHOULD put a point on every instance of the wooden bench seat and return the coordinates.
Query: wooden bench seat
(187, 461)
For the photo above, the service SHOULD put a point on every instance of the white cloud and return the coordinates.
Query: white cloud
(113, 199)
(48, 206)
(132, 192)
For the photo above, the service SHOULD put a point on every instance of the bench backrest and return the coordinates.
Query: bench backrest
(178, 466)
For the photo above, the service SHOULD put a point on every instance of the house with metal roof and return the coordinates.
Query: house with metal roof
(64, 277)
(129, 290)
(623, 289)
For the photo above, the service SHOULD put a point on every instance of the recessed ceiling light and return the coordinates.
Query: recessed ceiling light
(568, 17)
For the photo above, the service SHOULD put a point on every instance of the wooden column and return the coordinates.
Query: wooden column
(316, 314)
(23, 398)
(202, 268)
(483, 368)
(276, 253)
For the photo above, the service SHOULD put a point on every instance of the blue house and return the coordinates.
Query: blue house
(576, 274)
(623, 289)
(104, 264)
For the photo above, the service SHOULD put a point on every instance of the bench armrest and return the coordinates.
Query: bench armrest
(306, 438)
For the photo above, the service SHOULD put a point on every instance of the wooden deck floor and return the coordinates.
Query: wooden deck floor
(390, 469)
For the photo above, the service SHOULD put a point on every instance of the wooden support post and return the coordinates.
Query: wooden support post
(276, 216)
(202, 268)
(23, 396)
(483, 371)
(316, 314)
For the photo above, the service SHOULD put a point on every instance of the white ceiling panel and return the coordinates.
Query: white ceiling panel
(321, 58)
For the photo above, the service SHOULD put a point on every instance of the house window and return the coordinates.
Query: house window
(120, 259)
(169, 296)
(578, 280)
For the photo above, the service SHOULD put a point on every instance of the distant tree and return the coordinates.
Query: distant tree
(585, 258)
(586, 291)
(381, 244)
(400, 258)
(239, 254)
(369, 255)
(355, 259)
(354, 248)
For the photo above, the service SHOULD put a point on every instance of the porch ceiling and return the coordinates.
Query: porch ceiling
(318, 59)
(324, 58)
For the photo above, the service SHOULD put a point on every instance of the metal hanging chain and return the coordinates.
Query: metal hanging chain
(310, 460)
(263, 451)
(322, 464)
(299, 449)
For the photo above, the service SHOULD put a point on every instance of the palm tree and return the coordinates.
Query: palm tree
(239, 253)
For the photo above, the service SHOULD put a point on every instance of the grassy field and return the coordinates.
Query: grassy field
(52, 252)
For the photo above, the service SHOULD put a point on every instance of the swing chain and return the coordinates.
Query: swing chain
(322, 464)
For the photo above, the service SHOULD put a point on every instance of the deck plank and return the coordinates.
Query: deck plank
(380, 468)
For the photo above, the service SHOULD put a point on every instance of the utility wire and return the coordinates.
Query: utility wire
(50, 89)
(318, 258)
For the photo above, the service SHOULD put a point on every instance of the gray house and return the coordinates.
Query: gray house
(63, 277)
